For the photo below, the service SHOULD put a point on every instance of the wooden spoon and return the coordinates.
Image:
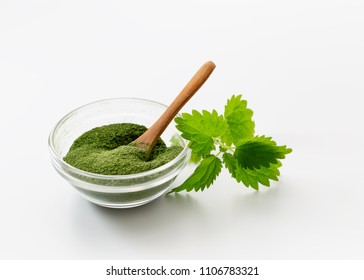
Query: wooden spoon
(149, 138)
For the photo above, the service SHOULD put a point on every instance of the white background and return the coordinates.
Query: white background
(300, 65)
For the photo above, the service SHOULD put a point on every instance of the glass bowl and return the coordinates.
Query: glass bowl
(116, 191)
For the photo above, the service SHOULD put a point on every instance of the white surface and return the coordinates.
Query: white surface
(300, 65)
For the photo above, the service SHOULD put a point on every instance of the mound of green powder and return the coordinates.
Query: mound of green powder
(105, 150)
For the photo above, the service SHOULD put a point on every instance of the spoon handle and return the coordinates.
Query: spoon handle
(148, 139)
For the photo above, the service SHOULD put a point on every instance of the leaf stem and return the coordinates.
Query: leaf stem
(224, 147)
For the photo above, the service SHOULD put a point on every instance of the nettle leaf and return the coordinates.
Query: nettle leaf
(201, 129)
(251, 160)
(251, 177)
(230, 163)
(239, 121)
(259, 151)
(203, 176)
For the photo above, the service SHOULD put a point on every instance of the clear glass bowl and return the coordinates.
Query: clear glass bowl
(115, 191)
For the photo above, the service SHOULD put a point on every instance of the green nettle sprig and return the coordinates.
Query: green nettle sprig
(216, 140)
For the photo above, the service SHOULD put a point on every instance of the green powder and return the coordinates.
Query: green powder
(105, 150)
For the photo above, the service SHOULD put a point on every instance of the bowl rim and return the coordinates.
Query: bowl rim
(185, 152)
